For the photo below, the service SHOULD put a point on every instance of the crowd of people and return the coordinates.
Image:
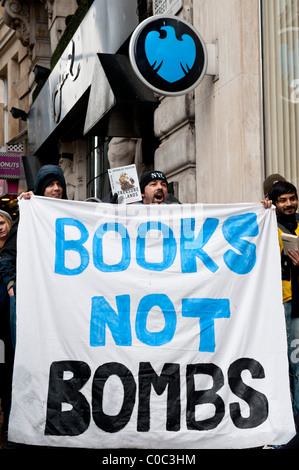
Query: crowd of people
(50, 182)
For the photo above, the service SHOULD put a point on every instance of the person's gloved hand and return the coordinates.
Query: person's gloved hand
(114, 199)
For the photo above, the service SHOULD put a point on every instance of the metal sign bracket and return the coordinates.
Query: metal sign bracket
(213, 60)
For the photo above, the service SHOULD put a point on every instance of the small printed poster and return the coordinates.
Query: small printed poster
(124, 182)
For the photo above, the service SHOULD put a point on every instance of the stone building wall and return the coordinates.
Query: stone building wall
(229, 122)
(211, 140)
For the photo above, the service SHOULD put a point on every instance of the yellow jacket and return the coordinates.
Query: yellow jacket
(286, 285)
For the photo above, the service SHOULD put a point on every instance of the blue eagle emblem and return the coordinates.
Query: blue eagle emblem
(171, 58)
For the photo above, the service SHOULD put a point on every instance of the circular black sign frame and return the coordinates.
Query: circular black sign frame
(145, 71)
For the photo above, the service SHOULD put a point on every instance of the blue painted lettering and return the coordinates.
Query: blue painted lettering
(193, 248)
(234, 229)
(63, 245)
(98, 248)
(207, 310)
(169, 246)
(167, 308)
(102, 314)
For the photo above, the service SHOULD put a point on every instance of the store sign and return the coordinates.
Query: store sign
(10, 166)
(68, 73)
(69, 81)
(168, 55)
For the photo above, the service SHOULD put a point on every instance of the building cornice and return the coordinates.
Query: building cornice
(16, 16)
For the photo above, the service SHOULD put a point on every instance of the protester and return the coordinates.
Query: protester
(49, 182)
(284, 197)
(6, 362)
(153, 187)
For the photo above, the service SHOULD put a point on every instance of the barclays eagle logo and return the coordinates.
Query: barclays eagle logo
(170, 58)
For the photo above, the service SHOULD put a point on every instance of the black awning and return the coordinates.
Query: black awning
(119, 105)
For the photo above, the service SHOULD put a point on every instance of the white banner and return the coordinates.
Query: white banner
(149, 327)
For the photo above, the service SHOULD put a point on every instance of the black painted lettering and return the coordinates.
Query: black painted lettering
(257, 401)
(116, 422)
(65, 391)
(200, 397)
(170, 377)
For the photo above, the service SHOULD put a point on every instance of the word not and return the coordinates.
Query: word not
(102, 314)
(75, 421)
(239, 260)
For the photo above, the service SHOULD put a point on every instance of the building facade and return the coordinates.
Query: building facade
(66, 65)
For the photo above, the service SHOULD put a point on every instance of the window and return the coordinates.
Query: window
(280, 33)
